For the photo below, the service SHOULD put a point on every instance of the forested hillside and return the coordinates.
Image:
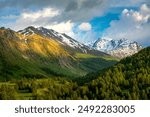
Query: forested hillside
(128, 79)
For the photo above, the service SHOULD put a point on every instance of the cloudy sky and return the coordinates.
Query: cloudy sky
(85, 20)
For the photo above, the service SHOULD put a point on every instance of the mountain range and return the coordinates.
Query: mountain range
(118, 48)
(40, 52)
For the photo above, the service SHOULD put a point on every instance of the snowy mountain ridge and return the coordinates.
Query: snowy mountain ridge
(62, 38)
(119, 48)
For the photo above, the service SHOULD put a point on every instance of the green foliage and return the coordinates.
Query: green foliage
(7, 92)
(128, 79)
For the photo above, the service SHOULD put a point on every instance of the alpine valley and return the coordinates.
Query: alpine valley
(40, 63)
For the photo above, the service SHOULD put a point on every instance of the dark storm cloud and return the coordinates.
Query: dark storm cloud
(82, 10)
(30, 3)
(67, 4)
(73, 5)
(91, 3)
(74, 10)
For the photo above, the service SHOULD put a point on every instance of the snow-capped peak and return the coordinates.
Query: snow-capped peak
(60, 37)
(119, 48)
(63, 38)
(28, 31)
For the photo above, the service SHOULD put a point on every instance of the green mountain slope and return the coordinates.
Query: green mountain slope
(128, 79)
(39, 56)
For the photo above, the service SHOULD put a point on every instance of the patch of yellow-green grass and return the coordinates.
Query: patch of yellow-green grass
(40, 91)
(84, 56)
(109, 58)
(7, 83)
(81, 55)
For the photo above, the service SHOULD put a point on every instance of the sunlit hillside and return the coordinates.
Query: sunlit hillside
(38, 56)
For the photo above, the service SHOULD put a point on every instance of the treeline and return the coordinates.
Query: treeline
(129, 79)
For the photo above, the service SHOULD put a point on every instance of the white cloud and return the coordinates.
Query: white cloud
(46, 12)
(134, 25)
(145, 8)
(85, 26)
(63, 27)
(34, 18)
